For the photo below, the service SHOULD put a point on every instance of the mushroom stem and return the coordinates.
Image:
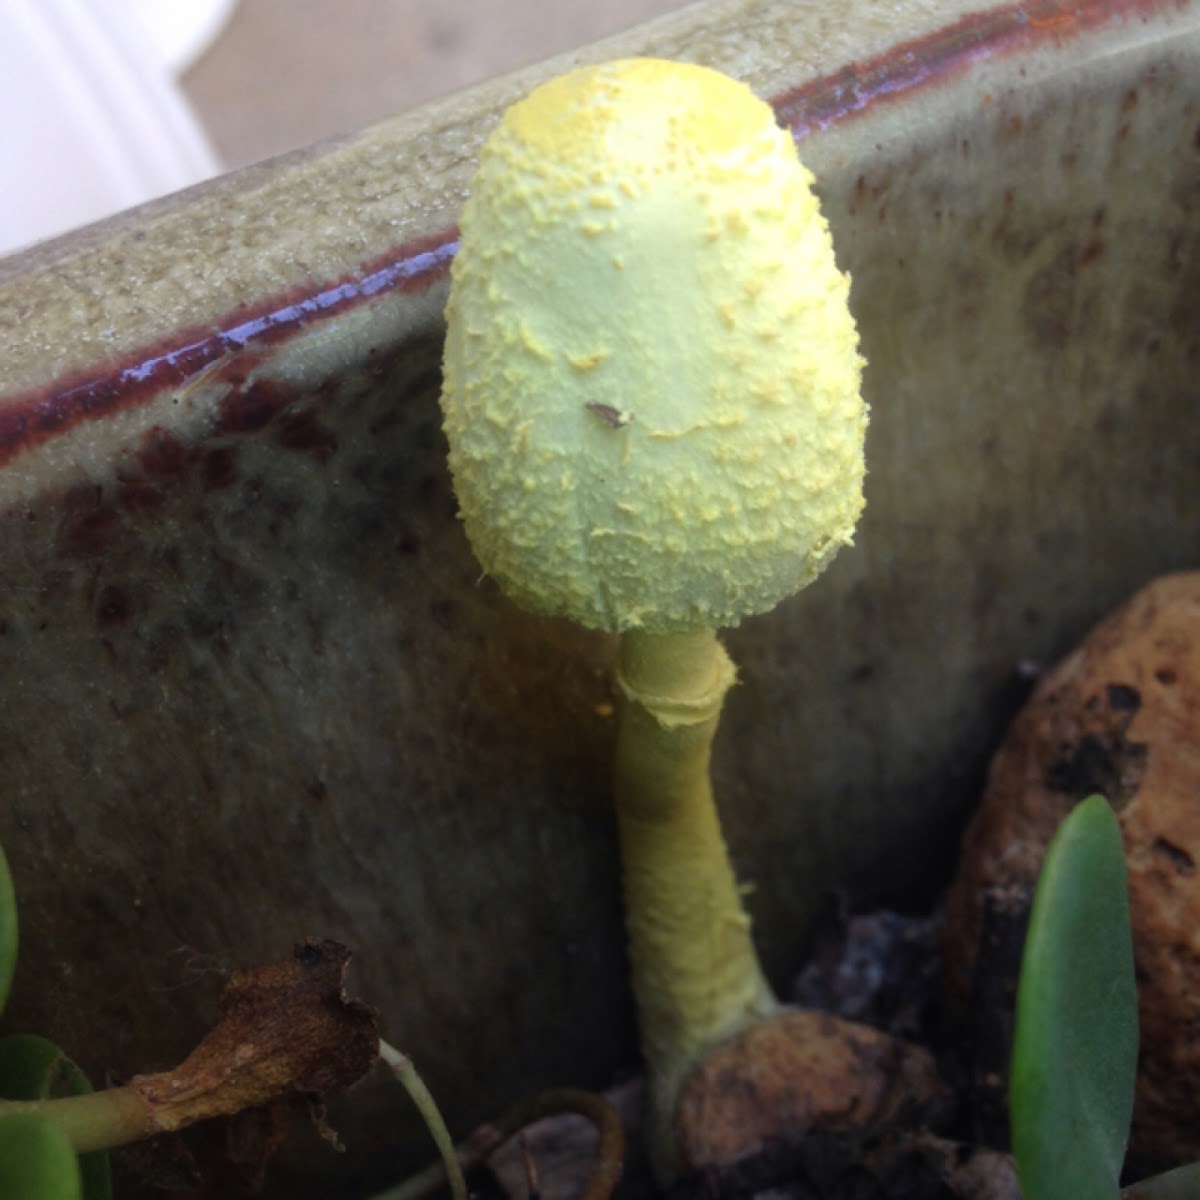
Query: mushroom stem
(696, 974)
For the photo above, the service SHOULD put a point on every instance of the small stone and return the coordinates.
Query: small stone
(797, 1074)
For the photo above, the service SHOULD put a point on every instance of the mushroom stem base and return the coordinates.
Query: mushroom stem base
(696, 974)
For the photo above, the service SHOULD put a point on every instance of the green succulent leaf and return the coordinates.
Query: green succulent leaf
(8, 929)
(1075, 1048)
(36, 1160)
(32, 1068)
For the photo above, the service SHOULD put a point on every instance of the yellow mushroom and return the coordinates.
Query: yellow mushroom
(652, 402)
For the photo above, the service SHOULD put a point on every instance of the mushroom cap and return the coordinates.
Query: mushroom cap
(651, 373)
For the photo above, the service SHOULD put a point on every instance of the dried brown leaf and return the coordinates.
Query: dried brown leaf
(283, 1029)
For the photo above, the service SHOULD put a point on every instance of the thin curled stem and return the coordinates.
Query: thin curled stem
(402, 1067)
(485, 1141)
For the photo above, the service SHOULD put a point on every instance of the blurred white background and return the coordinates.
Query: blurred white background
(112, 102)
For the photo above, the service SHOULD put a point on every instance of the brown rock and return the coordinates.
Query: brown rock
(797, 1074)
(1120, 716)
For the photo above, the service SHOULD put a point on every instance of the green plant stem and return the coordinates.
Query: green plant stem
(96, 1121)
(610, 1153)
(696, 974)
(402, 1067)
(1183, 1183)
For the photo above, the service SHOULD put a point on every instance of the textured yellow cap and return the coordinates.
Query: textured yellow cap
(651, 373)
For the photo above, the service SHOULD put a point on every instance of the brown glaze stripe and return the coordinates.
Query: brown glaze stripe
(910, 65)
(27, 421)
(31, 419)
